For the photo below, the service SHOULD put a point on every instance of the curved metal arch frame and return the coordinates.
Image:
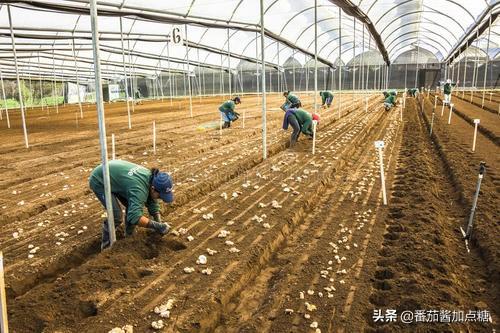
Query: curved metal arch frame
(417, 39)
(415, 22)
(297, 14)
(395, 51)
(419, 12)
(407, 1)
(421, 48)
(421, 32)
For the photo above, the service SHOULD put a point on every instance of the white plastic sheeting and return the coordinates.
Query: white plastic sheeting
(46, 29)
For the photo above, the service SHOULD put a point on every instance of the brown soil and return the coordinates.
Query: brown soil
(408, 254)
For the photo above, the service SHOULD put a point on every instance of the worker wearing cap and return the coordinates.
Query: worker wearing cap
(227, 111)
(291, 101)
(326, 98)
(390, 100)
(447, 91)
(413, 92)
(134, 186)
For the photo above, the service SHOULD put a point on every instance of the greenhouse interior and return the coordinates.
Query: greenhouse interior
(250, 166)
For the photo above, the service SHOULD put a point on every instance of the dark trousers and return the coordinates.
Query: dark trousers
(292, 120)
(117, 213)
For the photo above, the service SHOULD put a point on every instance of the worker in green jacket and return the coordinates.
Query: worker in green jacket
(228, 113)
(300, 120)
(390, 100)
(413, 92)
(447, 91)
(133, 186)
(291, 101)
(326, 98)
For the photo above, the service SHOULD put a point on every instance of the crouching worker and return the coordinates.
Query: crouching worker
(413, 92)
(326, 98)
(227, 111)
(300, 120)
(133, 186)
(390, 100)
(291, 101)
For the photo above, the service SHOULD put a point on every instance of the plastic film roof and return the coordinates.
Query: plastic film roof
(219, 34)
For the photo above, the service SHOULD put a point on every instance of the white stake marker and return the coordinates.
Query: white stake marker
(243, 121)
(4, 325)
(476, 122)
(315, 123)
(154, 137)
(451, 111)
(113, 146)
(366, 104)
(380, 145)
(401, 113)
(220, 125)
(442, 110)
(432, 122)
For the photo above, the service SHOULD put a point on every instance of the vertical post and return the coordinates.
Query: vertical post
(101, 121)
(257, 62)
(482, 170)
(188, 77)
(169, 73)
(293, 69)
(263, 82)
(21, 104)
(476, 123)
(5, 101)
(229, 65)
(340, 64)
(432, 122)
(451, 111)
(278, 67)
(113, 154)
(125, 75)
(314, 124)
(465, 75)
(380, 145)
(487, 61)
(315, 59)
(54, 93)
(154, 137)
(4, 324)
(354, 56)
(40, 83)
(77, 78)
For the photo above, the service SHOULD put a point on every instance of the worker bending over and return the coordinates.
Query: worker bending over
(326, 98)
(300, 120)
(133, 186)
(291, 101)
(227, 111)
(390, 100)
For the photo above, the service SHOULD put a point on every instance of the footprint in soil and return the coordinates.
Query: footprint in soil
(384, 274)
(380, 298)
(385, 252)
(398, 194)
(392, 236)
(382, 285)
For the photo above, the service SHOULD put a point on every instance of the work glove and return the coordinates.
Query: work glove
(161, 228)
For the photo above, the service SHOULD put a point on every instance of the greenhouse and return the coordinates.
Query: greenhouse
(249, 166)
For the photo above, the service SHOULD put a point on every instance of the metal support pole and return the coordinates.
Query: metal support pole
(340, 64)
(315, 57)
(257, 62)
(54, 93)
(101, 121)
(465, 76)
(487, 61)
(293, 69)
(354, 56)
(263, 82)
(278, 67)
(188, 77)
(6, 108)
(21, 104)
(77, 78)
(482, 170)
(4, 323)
(229, 66)
(125, 75)
(169, 73)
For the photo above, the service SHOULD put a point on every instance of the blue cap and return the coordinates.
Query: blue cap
(163, 183)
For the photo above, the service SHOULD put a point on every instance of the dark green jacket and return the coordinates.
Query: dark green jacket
(305, 121)
(227, 106)
(391, 99)
(292, 98)
(325, 95)
(447, 87)
(131, 182)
